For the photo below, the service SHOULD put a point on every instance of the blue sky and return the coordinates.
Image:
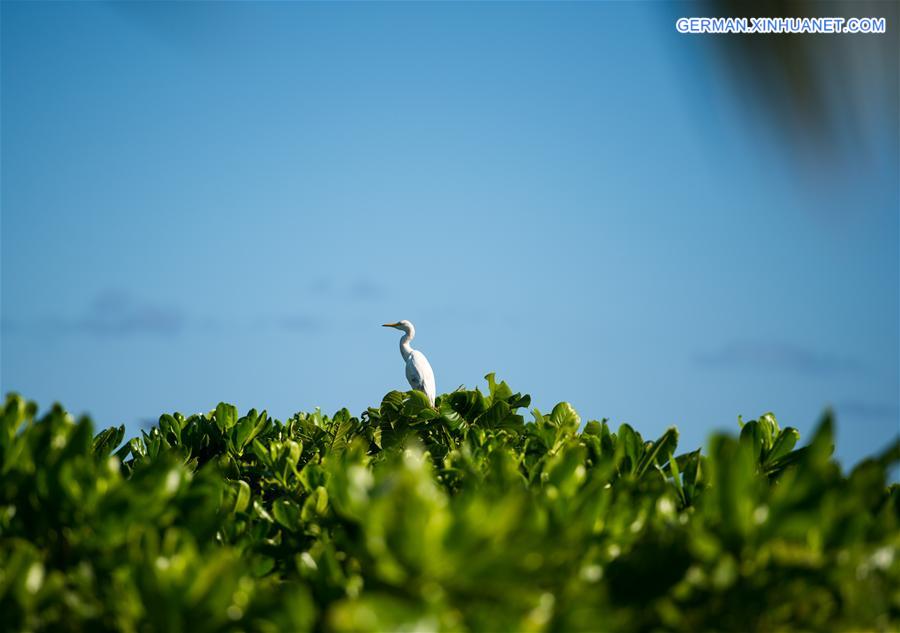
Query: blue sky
(205, 202)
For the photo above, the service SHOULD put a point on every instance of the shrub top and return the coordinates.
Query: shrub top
(461, 517)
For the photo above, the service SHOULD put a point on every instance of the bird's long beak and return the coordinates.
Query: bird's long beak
(390, 324)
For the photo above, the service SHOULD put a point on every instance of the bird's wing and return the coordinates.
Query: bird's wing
(412, 374)
(420, 375)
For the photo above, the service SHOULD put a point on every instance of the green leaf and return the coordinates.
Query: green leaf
(106, 441)
(564, 417)
(287, 513)
(783, 444)
(262, 453)
(226, 416)
(752, 437)
(243, 496)
(822, 444)
(768, 430)
(631, 445)
(497, 391)
(391, 406)
(499, 416)
(415, 403)
(170, 428)
(661, 448)
(468, 404)
(315, 505)
(313, 476)
(247, 428)
(676, 478)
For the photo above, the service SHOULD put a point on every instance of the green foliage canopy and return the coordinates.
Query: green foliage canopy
(462, 517)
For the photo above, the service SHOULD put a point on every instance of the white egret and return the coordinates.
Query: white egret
(418, 369)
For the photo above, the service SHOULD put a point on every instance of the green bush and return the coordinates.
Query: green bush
(459, 518)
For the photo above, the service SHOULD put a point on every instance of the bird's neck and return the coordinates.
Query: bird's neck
(405, 348)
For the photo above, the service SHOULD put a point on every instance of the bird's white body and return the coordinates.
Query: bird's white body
(418, 369)
(420, 375)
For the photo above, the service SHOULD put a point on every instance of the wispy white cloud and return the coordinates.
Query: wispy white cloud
(868, 410)
(300, 323)
(112, 313)
(776, 355)
(361, 289)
